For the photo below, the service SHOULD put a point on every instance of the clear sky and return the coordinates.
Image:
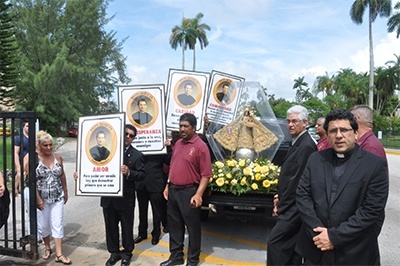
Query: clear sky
(271, 42)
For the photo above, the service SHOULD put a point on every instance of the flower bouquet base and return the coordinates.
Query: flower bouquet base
(245, 176)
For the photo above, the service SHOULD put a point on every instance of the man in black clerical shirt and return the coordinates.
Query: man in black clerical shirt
(186, 98)
(141, 117)
(99, 152)
(223, 96)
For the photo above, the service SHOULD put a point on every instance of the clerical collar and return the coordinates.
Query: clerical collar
(345, 155)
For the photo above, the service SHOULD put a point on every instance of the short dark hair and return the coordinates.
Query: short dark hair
(101, 132)
(364, 113)
(131, 127)
(141, 100)
(341, 114)
(189, 118)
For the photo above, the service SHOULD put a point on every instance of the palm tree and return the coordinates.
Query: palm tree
(196, 32)
(383, 8)
(180, 36)
(298, 84)
(351, 87)
(394, 21)
(324, 84)
(386, 83)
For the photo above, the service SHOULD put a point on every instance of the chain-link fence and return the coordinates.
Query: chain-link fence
(389, 138)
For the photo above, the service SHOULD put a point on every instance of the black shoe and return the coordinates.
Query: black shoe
(155, 240)
(191, 264)
(112, 260)
(172, 262)
(125, 262)
(165, 230)
(139, 239)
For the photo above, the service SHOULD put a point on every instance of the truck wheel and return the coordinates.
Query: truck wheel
(204, 215)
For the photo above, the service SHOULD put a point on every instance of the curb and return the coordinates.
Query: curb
(392, 152)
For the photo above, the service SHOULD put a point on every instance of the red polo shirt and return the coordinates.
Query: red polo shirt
(190, 162)
(371, 143)
(323, 144)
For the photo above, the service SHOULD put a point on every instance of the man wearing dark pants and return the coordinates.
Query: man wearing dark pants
(120, 210)
(188, 179)
(282, 239)
(341, 198)
(151, 189)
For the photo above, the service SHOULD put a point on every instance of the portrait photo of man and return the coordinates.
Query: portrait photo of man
(186, 97)
(142, 117)
(99, 152)
(223, 96)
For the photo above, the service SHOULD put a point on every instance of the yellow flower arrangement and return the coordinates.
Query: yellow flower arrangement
(244, 176)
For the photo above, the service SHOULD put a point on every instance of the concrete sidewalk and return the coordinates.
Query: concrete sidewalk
(85, 256)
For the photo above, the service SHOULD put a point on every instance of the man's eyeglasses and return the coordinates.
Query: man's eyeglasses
(342, 130)
(294, 121)
(129, 135)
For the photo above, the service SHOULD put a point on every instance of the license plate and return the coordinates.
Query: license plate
(247, 208)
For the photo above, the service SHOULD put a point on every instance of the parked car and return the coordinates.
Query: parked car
(7, 130)
(313, 132)
(73, 131)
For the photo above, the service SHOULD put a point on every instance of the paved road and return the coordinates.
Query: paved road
(226, 241)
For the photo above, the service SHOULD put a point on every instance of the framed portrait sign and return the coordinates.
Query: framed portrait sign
(187, 92)
(144, 107)
(100, 155)
(225, 90)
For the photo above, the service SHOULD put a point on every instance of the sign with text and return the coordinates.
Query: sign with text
(100, 155)
(223, 100)
(187, 92)
(144, 108)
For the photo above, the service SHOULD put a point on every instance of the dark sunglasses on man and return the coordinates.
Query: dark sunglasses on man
(129, 135)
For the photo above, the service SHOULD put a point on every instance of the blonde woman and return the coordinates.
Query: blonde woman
(52, 194)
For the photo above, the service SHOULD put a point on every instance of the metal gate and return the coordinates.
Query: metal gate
(18, 236)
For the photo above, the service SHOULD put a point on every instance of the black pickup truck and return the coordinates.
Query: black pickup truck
(249, 204)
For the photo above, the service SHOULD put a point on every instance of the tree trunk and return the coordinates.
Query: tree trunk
(183, 56)
(371, 63)
(194, 58)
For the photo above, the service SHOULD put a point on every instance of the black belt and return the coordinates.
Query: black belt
(176, 187)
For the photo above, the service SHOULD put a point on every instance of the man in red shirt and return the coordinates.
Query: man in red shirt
(322, 143)
(366, 138)
(188, 179)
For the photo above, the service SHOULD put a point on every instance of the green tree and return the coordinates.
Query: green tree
(179, 37)
(69, 61)
(351, 88)
(187, 34)
(280, 107)
(8, 52)
(396, 65)
(324, 84)
(386, 81)
(197, 31)
(375, 7)
(316, 108)
(394, 21)
(299, 83)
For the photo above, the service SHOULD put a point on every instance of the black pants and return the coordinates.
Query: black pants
(282, 243)
(180, 214)
(158, 208)
(112, 218)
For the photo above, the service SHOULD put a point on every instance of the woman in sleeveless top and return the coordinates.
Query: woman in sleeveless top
(52, 194)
